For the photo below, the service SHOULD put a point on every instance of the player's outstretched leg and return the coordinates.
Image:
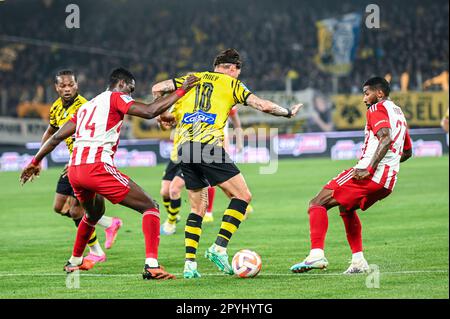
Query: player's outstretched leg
(193, 231)
(353, 230)
(318, 225)
(231, 220)
(141, 202)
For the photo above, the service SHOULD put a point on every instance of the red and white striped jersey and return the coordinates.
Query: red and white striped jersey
(379, 115)
(98, 128)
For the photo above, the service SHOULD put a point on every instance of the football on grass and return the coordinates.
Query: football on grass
(246, 263)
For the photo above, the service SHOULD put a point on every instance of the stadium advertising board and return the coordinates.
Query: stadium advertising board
(421, 109)
(335, 145)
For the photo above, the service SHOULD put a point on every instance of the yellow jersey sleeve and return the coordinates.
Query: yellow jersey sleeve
(240, 93)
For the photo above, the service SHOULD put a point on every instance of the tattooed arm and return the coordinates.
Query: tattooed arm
(384, 136)
(161, 88)
(267, 106)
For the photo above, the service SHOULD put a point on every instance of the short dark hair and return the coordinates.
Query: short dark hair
(379, 83)
(120, 74)
(228, 56)
(65, 72)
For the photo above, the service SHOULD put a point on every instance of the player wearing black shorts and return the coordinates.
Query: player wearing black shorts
(200, 117)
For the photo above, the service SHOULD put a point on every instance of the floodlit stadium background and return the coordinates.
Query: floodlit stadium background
(318, 53)
(315, 52)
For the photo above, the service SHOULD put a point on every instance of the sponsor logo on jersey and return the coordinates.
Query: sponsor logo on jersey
(199, 116)
(126, 98)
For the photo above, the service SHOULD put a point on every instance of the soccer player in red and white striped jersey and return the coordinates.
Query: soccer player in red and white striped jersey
(96, 126)
(387, 144)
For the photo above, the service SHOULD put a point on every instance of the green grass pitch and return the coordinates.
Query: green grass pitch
(406, 236)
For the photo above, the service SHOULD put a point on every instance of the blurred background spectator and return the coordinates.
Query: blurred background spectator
(160, 39)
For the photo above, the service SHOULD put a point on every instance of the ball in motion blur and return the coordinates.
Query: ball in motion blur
(246, 263)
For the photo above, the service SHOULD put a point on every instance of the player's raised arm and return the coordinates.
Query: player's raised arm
(270, 107)
(149, 111)
(166, 121)
(237, 127)
(163, 87)
(34, 168)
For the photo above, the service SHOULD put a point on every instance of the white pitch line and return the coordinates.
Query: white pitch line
(406, 272)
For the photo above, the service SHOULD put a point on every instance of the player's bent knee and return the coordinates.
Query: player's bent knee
(246, 196)
(164, 192)
(315, 202)
(76, 214)
(175, 192)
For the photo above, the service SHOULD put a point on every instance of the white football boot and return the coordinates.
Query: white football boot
(359, 266)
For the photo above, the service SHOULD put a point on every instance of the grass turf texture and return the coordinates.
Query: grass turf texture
(406, 235)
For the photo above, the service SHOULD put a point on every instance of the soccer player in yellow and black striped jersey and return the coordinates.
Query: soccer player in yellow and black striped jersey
(65, 203)
(201, 116)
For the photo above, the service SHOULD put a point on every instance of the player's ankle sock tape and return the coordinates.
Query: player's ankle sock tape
(192, 233)
(231, 220)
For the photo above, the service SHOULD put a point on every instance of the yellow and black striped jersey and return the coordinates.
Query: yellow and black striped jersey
(59, 115)
(202, 113)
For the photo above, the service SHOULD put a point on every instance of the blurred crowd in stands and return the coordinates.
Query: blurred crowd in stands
(160, 39)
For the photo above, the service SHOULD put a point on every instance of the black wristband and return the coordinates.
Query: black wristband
(289, 113)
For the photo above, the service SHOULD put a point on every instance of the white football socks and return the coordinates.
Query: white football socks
(358, 256)
(76, 261)
(96, 249)
(151, 262)
(316, 253)
(105, 221)
(189, 265)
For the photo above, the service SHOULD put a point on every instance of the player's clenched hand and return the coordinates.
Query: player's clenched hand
(29, 173)
(190, 82)
(295, 109)
(360, 174)
(166, 122)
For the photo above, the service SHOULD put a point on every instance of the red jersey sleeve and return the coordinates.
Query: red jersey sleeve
(73, 119)
(377, 117)
(121, 102)
(408, 143)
